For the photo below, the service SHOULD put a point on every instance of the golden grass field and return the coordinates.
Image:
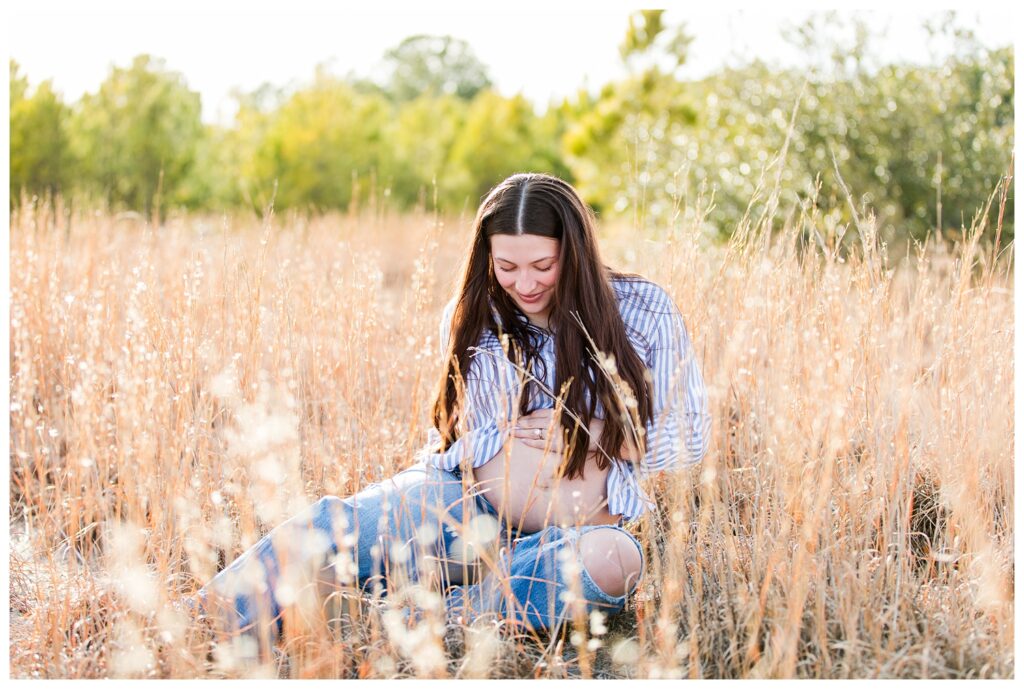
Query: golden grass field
(177, 390)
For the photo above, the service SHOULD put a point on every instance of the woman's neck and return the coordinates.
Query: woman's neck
(541, 321)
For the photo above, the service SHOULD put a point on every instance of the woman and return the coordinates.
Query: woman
(525, 469)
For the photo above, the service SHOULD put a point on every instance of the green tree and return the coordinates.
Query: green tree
(923, 145)
(242, 177)
(898, 133)
(137, 135)
(319, 146)
(500, 136)
(213, 180)
(18, 83)
(433, 65)
(619, 143)
(420, 138)
(41, 160)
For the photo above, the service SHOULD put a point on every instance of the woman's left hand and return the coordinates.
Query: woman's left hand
(540, 429)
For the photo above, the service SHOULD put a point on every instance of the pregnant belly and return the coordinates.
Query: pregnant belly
(522, 490)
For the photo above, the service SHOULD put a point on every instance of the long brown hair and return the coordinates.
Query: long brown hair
(540, 204)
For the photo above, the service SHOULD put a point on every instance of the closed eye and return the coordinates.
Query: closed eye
(542, 270)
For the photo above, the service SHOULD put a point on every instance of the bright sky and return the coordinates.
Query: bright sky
(542, 49)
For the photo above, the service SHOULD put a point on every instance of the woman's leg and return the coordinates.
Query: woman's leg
(545, 572)
(379, 533)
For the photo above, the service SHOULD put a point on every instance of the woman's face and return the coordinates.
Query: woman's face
(526, 266)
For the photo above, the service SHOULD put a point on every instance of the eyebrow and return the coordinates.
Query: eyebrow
(539, 260)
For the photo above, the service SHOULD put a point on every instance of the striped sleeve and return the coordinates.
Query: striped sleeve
(681, 427)
(488, 407)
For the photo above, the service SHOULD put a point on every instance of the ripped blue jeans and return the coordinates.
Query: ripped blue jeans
(417, 524)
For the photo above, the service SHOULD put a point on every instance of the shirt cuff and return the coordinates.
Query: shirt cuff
(476, 447)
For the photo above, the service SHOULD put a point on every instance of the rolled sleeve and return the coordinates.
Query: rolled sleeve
(487, 406)
(680, 430)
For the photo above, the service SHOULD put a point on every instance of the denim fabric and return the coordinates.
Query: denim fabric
(390, 531)
(540, 578)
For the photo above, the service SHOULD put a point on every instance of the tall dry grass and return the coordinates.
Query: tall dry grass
(178, 390)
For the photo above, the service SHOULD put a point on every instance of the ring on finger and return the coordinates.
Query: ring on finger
(537, 433)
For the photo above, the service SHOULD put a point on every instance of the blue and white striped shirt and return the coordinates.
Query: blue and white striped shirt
(678, 435)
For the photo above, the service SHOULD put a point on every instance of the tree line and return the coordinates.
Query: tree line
(921, 146)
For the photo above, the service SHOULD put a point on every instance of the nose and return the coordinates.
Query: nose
(526, 285)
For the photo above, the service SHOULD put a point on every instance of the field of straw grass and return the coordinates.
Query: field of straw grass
(178, 389)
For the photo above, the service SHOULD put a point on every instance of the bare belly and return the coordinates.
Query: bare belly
(524, 493)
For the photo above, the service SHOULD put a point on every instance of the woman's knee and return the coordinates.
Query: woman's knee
(329, 513)
(612, 559)
(330, 503)
(434, 492)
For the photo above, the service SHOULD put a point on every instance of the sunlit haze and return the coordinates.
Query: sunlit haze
(539, 52)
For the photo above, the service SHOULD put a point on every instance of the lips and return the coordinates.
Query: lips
(531, 300)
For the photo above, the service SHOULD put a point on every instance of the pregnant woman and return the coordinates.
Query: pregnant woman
(564, 383)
